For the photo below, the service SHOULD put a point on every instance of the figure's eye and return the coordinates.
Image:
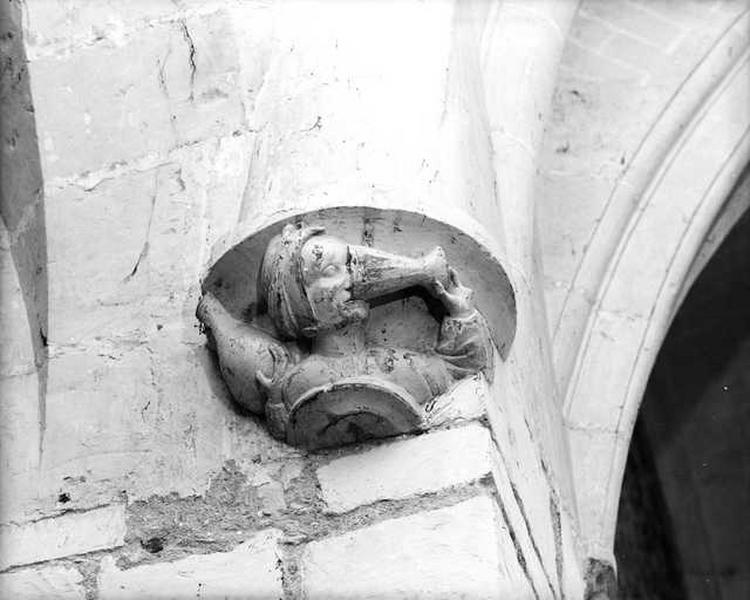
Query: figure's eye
(330, 270)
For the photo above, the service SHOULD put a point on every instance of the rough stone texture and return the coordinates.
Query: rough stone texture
(137, 198)
(418, 465)
(180, 87)
(135, 343)
(462, 551)
(43, 583)
(464, 402)
(252, 570)
(235, 504)
(601, 582)
(66, 535)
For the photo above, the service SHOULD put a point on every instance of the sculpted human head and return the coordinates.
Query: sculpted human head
(306, 283)
(327, 278)
(312, 282)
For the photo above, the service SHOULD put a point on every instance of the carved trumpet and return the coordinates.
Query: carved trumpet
(376, 273)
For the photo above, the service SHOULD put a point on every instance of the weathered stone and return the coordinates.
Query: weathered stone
(417, 465)
(16, 348)
(252, 570)
(601, 581)
(524, 487)
(466, 401)
(171, 439)
(462, 551)
(43, 583)
(127, 249)
(54, 27)
(66, 535)
(331, 384)
(19, 443)
(177, 86)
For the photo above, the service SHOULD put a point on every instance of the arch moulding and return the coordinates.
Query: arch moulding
(646, 279)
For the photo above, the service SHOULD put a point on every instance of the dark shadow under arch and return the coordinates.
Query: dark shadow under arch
(682, 526)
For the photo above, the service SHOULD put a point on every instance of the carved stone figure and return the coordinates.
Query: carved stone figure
(304, 360)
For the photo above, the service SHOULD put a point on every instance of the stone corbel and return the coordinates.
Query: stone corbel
(347, 342)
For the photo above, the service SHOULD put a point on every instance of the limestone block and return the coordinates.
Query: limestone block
(462, 551)
(143, 418)
(19, 382)
(66, 535)
(569, 568)
(16, 349)
(55, 25)
(98, 418)
(464, 402)
(249, 571)
(174, 83)
(522, 482)
(124, 252)
(61, 583)
(660, 32)
(416, 465)
(95, 240)
(19, 441)
(253, 24)
(148, 418)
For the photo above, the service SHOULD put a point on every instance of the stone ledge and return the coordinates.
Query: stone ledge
(66, 535)
(252, 570)
(461, 551)
(41, 584)
(417, 465)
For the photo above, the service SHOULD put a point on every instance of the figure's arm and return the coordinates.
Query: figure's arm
(464, 342)
(247, 355)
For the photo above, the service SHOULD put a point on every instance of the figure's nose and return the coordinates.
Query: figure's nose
(376, 273)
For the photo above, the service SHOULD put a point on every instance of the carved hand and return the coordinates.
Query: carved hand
(270, 385)
(276, 413)
(457, 299)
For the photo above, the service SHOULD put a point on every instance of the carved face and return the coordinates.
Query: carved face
(328, 282)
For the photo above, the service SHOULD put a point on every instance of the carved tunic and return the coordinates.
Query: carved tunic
(463, 348)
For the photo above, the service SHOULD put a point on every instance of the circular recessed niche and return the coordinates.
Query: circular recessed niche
(393, 320)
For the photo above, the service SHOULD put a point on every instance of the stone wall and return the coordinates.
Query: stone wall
(129, 472)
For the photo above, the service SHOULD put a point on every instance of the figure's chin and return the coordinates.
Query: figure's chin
(346, 312)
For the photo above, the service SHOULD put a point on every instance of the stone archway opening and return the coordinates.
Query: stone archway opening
(686, 491)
